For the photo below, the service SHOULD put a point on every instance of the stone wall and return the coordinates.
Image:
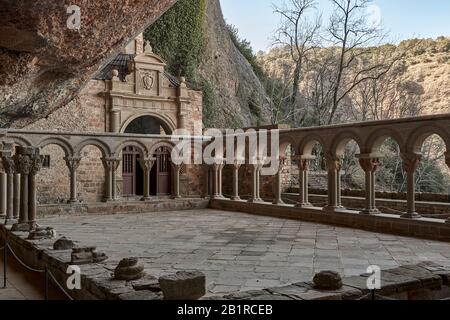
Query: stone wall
(85, 114)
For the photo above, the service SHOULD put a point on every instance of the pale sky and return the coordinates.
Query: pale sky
(404, 19)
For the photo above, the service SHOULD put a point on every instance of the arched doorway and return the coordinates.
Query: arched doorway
(148, 125)
(160, 176)
(132, 172)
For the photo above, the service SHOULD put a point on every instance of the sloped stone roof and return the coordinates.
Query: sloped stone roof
(120, 63)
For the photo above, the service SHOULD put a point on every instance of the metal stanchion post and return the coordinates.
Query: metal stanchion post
(45, 283)
(5, 256)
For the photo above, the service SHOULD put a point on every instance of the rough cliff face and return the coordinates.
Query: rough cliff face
(238, 92)
(44, 64)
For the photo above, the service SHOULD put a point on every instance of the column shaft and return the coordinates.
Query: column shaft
(334, 184)
(278, 184)
(9, 197)
(176, 180)
(23, 214)
(3, 194)
(369, 164)
(411, 162)
(32, 200)
(235, 196)
(73, 187)
(16, 195)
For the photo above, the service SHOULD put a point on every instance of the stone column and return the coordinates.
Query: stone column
(27, 161)
(236, 166)
(10, 217)
(73, 163)
(220, 178)
(147, 165)
(115, 120)
(369, 164)
(176, 170)
(216, 180)
(111, 165)
(334, 165)
(8, 185)
(3, 192)
(447, 161)
(411, 162)
(206, 188)
(36, 164)
(303, 172)
(277, 183)
(16, 194)
(256, 172)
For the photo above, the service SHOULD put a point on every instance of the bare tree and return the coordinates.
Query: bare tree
(299, 34)
(356, 38)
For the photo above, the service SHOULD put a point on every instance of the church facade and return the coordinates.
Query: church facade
(132, 94)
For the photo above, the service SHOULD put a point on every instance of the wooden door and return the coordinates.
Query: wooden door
(129, 160)
(163, 169)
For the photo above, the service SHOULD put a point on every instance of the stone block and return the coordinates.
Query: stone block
(140, 296)
(63, 244)
(327, 280)
(129, 269)
(148, 282)
(82, 256)
(183, 286)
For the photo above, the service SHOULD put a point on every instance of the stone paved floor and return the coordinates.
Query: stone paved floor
(242, 252)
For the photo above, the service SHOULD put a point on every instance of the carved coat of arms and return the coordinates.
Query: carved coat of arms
(147, 80)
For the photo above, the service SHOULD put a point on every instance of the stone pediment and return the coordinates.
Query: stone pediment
(149, 60)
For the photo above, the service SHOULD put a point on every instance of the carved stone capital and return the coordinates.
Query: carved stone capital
(369, 164)
(411, 161)
(334, 163)
(23, 164)
(111, 164)
(147, 164)
(237, 165)
(36, 164)
(8, 162)
(73, 163)
(176, 167)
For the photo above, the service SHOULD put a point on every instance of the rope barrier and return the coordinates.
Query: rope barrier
(45, 271)
(22, 263)
(59, 286)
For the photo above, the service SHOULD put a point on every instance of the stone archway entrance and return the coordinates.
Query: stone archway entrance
(148, 125)
(132, 173)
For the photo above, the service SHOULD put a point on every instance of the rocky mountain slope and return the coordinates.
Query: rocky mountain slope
(44, 63)
(237, 91)
(195, 41)
(427, 65)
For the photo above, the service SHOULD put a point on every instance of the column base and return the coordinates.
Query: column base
(304, 205)
(370, 211)
(333, 209)
(10, 222)
(236, 198)
(176, 197)
(413, 215)
(146, 199)
(278, 202)
(256, 200)
(21, 227)
(73, 202)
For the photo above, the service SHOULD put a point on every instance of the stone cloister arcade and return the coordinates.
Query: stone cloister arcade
(21, 161)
